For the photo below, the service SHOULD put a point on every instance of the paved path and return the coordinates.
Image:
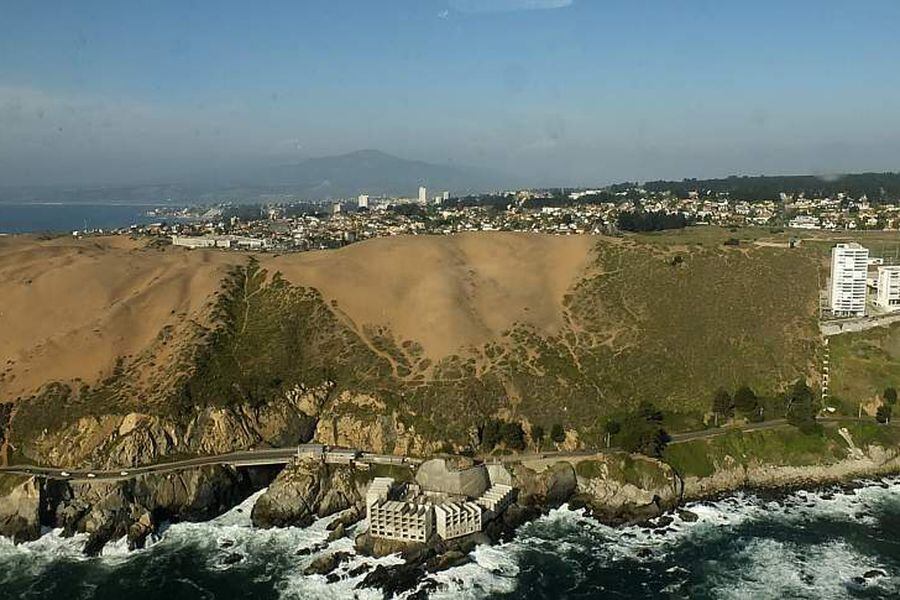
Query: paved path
(839, 326)
(277, 456)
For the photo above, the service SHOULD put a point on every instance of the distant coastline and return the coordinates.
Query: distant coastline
(55, 217)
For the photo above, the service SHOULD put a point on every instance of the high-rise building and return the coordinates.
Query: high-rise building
(849, 264)
(423, 195)
(445, 196)
(888, 296)
(363, 201)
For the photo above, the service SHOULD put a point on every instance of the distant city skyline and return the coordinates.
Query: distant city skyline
(551, 92)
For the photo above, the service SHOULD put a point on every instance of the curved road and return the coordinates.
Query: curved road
(274, 456)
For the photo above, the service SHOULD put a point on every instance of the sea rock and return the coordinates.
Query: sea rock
(620, 487)
(304, 490)
(550, 487)
(19, 508)
(323, 565)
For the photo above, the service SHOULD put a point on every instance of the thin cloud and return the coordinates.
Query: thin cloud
(494, 6)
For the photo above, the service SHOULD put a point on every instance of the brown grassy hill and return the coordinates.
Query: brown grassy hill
(447, 292)
(70, 308)
(444, 331)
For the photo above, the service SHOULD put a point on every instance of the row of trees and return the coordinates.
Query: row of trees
(639, 431)
(511, 434)
(651, 221)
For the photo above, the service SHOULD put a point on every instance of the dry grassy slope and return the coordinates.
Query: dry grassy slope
(450, 292)
(69, 308)
(570, 328)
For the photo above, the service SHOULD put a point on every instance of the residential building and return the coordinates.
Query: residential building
(193, 242)
(423, 195)
(456, 519)
(363, 201)
(888, 295)
(403, 521)
(849, 264)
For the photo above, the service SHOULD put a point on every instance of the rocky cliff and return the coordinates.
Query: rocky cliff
(873, 460)
(308, 489)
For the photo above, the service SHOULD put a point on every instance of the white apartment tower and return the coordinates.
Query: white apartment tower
(423, 195)
(849, 263)
(363, 201)
(888, 297)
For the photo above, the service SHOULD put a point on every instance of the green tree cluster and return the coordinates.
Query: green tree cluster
(642, 431)
(802, 408)
(509, 433)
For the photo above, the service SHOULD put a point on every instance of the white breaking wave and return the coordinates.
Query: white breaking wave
(755, 562)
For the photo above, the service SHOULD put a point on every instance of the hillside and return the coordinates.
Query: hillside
(419, 340)
(372, 172)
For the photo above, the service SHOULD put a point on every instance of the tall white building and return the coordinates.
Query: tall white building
(363, 201)
(445, 195)
(423, 195)
(888, 296)
(849, 263)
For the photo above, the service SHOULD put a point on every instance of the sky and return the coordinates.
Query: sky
(553, 92)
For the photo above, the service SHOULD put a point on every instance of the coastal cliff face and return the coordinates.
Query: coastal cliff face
(615, 487)
(115, 441)
(306, 490)
(364, 421)
(20, 508)
(871, 461)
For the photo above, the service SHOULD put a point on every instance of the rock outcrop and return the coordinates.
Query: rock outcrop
(362, 421)
(20, 508)
(546, 485)
(133, 508)
(873, 460)
(305, 490)
(621, 487)
(115, 441)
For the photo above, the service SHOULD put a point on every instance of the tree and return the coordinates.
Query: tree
(513, 435)
(611, 428)
(722, 405)
(746, 402)
(642, 431)
(890, 396)
(557, 433)
(801, 408)
(537, 436)
(883, 414)
(490, 434)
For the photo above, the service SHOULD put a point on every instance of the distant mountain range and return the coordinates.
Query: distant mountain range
(375, 172)
(344, 176)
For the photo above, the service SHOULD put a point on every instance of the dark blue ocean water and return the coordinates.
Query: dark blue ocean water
(65, 218)
(818, 545)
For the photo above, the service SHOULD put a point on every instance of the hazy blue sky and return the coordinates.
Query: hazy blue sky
(578, 92)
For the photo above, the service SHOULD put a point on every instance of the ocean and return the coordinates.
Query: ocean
(818, 544)
(65, 218)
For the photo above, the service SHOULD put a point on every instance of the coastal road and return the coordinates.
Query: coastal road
(280, 456)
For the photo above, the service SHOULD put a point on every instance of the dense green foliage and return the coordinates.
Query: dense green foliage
(270, 337)
(651, 221)
(878, 187)
(802, 408)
